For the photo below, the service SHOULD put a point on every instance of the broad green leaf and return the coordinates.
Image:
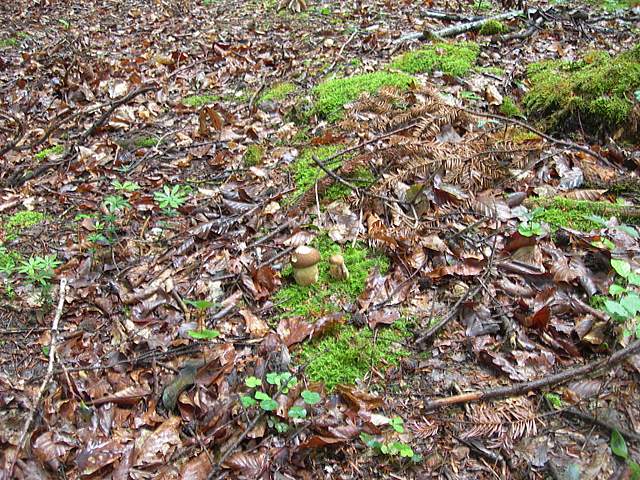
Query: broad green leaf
(397, 424)
(621, 267)
(268, 405)
(260, 395)
(618, 445)
(247, 401)
(310, 398)
(635, 470)
(616, 289)
(200, 304)
(631, 303)
(274, 378)
(297, 412)
(634, 279)
(252, 382)
(616, 310)
(204, 334)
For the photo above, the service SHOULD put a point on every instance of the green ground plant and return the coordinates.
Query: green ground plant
(598, 89)
(54, 150)
(305, 171)
(253, 155)
(277, 92)
(196, 101)
(20, 221)
(171, 198)
(509, 108)
(454, 59)
(9, 42)
(493, 27)
(147, 142)
(331, 96)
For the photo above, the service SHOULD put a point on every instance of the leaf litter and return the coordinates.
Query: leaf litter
(126, 128)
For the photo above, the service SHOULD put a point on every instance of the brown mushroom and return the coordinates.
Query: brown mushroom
(337, 268)
(305, 265)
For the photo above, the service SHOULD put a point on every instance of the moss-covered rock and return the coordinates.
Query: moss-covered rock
(596, 90)
(579, 214)
(331, 96)
(493, 27)
(454, 59)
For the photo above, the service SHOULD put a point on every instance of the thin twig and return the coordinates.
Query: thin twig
(45, 383)
(551, 380)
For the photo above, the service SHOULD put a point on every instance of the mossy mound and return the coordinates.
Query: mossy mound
(327, 295)
(54, 150)
(578, 214)
(454, 59)
(20, 221)
(510, 108)
(305, 171)
(597, 91)
(277, 92)
(331, 96)
(196, 101)
(349, 354)
(146, 142)
(253, 155)
(493, 27)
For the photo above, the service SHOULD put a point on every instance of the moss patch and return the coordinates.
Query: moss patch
(305, 171)
(493, 27)
(55, 150)
(614, 5)
(361, 177)
(454, 59)
(278, 92)
(331, 96)
(327, 295)
(196, 101)
(8, 42)
(597, 89)
(147, 142)
(565, 212)
(20, 221)
(253, 155)
(349, 354)
(509, 108)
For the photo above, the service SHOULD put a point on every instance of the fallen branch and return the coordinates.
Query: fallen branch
(526, 387)
(45, 382)
(115, 104)
(585, 417)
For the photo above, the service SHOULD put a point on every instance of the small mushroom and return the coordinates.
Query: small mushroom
(337, 268)
(305, 265)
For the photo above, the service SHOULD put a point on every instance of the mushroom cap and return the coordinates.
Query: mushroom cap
(304, 257)
(336, 259)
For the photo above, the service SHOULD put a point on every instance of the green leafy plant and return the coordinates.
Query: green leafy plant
(202, 333)
(115, 203)
(39, 270)
(125, 186)
(531, 226)
(554, 399)
(619, 448)
(171, 198)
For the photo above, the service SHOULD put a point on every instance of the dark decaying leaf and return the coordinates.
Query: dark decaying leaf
(160, 444)
(249, 464)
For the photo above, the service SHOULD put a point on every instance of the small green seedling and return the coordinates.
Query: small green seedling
(115, 204)
(531, 226)
(39, 270)
(202, 333)
(619, 448)
(126, 186)
(554, 400)
(171, 198)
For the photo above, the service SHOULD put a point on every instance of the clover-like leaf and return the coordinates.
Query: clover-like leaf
(252, 382)
(247, 401)
(297, 412)
(268, 404)
(310, 398)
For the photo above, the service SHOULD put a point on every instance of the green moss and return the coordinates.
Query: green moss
(493, 27)
(509, 108)
(596, 89)
(8, 42)
(597, 301)
(614, 5)
(331, 96)
(565, 212)
(493, 70)
(305, 171)
(278, 92)
(253, 155)
(521, 135)
(9, 260)
(55, 150)
(454, 59)
(146, 142)
(20, 221)
(327, 295)
(196, 101)
(349, 354)
(482, 5)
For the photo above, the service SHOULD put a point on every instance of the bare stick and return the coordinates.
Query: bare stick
(526, 387)
(47, 378)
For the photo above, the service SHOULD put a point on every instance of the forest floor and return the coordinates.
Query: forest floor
(161, 162)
